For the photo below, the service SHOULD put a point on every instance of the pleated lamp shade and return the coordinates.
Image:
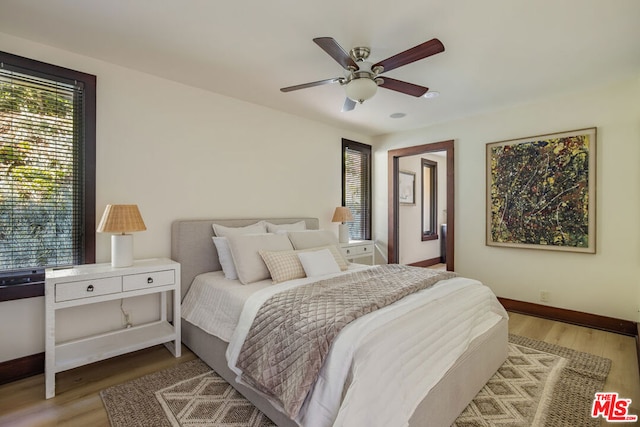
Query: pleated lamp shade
(121, 219)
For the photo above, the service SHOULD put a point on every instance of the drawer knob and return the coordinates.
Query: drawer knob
(364, 249)
(149, 280)
(90, 288)
(348, 251)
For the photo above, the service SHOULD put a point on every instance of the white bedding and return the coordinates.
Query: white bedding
(406, 346)
(214, 303)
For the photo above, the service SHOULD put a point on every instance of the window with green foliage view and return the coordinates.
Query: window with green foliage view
(47, 162)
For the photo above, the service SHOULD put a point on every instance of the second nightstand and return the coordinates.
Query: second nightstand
(361, 250)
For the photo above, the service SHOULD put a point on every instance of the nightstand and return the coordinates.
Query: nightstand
(96, 283)
(359, 250)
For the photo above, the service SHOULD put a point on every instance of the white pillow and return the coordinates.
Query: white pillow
(318, 263)
(225, 257)
(245, 251)
(296, 226)
(310, 239)
(223, 231)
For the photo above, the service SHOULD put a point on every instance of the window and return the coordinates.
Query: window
(47, 172)
(356, 187)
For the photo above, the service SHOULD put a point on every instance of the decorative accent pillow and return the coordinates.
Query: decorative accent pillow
(223, 231)
(225, 257)
(318, 263)
(283, 265)
(245, 251)
(296, 226)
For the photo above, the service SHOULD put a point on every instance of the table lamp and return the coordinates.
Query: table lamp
(119, 220)
(342, 215)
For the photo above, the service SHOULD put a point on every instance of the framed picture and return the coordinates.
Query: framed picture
(541, 192)
(407, 187)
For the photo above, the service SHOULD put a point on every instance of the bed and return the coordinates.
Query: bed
(443, 399)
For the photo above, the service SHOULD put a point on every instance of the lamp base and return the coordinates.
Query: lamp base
(122, 250)
(343, 232)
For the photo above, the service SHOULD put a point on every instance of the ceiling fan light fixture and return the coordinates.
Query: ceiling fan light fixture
(362, 78)
(361, 89)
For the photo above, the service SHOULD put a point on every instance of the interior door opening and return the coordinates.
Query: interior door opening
(394, 197)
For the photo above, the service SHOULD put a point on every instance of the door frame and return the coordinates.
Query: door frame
(393, 161)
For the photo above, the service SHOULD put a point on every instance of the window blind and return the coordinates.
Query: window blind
(356, 187)
(41, 170)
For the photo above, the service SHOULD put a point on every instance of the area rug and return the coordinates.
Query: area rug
(539, 384)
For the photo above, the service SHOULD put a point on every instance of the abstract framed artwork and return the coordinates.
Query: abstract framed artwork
(541, 192)
(407, 187)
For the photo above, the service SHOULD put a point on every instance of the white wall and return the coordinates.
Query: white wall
(181, 152)
(606, 283)
(411, 247)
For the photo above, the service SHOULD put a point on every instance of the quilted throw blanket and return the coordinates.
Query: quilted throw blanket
(293, 330)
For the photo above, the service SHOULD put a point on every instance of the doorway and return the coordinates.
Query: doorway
(394, 197)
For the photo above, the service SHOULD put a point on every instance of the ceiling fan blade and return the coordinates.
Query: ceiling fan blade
(403, 87)
(416, 53)
(349, 104)
(311, 84)
(329, 45)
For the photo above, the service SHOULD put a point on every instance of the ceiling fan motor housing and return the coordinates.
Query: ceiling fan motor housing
(359, 54)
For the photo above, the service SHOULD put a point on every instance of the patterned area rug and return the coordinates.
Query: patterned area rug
(540, 384)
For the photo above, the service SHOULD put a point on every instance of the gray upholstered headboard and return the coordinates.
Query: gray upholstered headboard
(192, 247)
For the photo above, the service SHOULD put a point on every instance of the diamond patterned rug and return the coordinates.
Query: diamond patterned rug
(207, 399)
(519, 393)
(539, 384)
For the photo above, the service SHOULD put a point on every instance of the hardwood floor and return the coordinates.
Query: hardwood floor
(78, 403)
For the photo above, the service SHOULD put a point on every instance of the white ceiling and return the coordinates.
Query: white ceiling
(498, 53)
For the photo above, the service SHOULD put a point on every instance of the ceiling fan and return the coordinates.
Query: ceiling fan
(362, 78)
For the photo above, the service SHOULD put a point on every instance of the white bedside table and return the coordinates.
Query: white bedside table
(359, 250)
(95, 283)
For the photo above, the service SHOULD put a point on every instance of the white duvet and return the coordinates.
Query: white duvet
(381, 366)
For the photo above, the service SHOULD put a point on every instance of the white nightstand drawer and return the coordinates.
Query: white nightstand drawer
(147, 280)
(358, 250)
(88, 288)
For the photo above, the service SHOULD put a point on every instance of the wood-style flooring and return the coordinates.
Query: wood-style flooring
(78, 403)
